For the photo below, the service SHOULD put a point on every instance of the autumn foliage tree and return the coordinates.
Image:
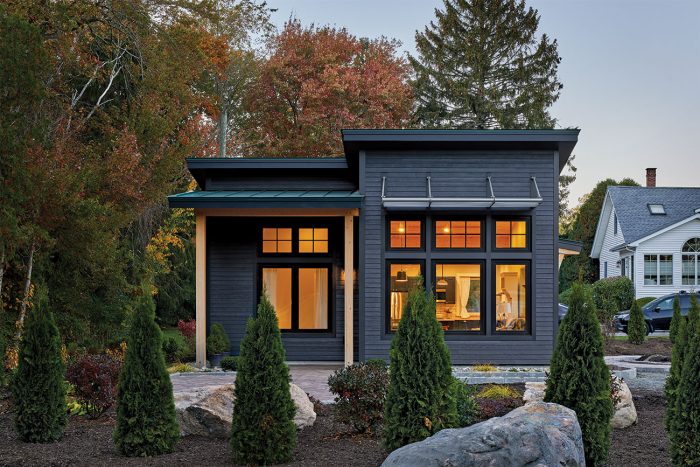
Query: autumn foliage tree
(318, 81)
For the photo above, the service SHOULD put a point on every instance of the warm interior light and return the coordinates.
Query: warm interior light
(446, 230)
(401, 276)
(441, 285)
(402, 230)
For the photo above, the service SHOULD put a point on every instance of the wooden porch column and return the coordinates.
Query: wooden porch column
(201, 288)
(348, 265)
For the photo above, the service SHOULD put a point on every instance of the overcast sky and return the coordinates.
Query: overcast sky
(630, 69)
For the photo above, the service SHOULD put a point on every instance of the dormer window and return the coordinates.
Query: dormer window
(657, 209)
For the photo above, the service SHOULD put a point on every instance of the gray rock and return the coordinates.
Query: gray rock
(207, 410)
(625, 412)
(534, 391)
(537, 434)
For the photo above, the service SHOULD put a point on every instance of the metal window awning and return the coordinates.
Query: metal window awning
(490, 201)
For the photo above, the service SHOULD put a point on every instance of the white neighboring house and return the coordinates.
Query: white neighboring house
(651, 235)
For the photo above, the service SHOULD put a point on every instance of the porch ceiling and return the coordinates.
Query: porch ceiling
(266, 199)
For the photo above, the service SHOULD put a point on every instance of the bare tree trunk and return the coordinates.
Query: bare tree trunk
(223, 126)
(27, 284)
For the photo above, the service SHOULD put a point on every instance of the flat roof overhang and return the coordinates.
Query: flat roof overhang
(266, 199)
(562, 141)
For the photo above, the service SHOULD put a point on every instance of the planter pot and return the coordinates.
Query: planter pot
(215, 360)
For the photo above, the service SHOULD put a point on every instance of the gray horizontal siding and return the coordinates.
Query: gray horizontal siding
(279, 183)
(463, 174)
(232, 289)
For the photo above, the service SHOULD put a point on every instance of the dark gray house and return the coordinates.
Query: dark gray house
(338, 242)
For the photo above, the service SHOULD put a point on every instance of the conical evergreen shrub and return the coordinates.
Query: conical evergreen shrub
(683, 422)
(674, 375)
(263, 430)
(675, 320)
(146, 420)
(38, 388)
(579, 378)
(420, 400)
(636, 326)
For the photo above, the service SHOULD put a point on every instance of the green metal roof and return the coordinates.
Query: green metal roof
(267, 199)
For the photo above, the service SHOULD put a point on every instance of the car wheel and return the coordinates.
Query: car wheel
(649, 329)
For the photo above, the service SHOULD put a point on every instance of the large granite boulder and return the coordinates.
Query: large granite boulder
(625, 412)
(536, 434)
(207, 410)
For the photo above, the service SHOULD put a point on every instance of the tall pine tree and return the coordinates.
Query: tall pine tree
(481, 64)
(579, 378)
(419, 401)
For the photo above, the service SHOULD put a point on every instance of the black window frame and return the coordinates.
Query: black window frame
(453, 218)
(295, 266)
(528, 299)
(387, 229)
(295, 226)
(482, 298)
(528, 234)
(387, 286)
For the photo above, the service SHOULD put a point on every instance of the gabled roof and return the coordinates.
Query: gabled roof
(636, 221)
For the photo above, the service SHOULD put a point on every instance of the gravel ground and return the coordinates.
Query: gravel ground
(647, 381)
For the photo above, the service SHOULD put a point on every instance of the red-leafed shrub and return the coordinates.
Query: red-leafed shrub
(188, 330)
(360, 390)
(95, 380)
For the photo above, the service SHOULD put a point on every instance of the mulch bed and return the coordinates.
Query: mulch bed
(327, 443)
(651, 346)
(645, 443)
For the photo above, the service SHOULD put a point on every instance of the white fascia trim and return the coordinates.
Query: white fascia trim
(665, 229)
(602, 226)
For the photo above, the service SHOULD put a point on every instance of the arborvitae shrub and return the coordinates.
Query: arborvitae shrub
(685, 429)
(146, 420)
(467, 408)
(218, 341)
(420, 400)
(675, 320)
(360, 391)
(636, 326)
(38, 388)
(579, 378)
(674, 375)
(263, 430)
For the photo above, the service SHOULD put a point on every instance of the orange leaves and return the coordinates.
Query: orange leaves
(318, 81)
(217, 51)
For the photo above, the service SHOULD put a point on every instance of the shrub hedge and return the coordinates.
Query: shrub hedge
(619, 289)
(230, 363)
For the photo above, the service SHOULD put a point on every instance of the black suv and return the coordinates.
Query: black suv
(657, 313)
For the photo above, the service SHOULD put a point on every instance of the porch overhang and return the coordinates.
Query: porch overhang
(267, 199)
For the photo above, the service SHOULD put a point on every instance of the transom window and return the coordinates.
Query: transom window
(405, 234)
(457, 234)
(658, 269)
(690, 269)
(313, 240)
(277, 240)
(511, 234)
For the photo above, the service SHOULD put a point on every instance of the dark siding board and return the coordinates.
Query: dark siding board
(279, 183)
(463, 174)
(232, 289)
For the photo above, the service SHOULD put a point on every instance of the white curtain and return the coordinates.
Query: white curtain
(270, 284)
(462, 292)
(321, 306)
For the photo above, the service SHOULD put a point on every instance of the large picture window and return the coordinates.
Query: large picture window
(690, 269)
(300, 295)
(511, 297)
(457, 234)
(402, 277)
(458, 304)
(658, 269)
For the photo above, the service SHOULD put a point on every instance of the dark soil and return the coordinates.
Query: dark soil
(651, 346)
(89, 442)
(646, 443)
(327, 443)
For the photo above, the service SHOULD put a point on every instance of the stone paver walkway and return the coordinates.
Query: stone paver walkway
(313, 379)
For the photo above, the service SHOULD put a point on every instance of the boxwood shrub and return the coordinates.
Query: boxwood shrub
(230, 363)
(360, 390)
(619, 289)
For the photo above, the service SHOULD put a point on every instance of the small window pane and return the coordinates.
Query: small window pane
(458, 241)
(442, 241)
(277, 283)
(457, 234)
(458, 296)
(518, 241)
(276, 240)
(402, 278)
(502, 241)
(503, 227)
(511, 299)
(321, 246)
(405, 234)
(650, 271)
(688, 270)
(320, 234)
(284, 246)
(313, 240)
(306, 247)
(269, 234)
(518, 228)
(666, 269)
(306, 234)
(284, 234)
(313, 298)
(511, 234)
(269, 247)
